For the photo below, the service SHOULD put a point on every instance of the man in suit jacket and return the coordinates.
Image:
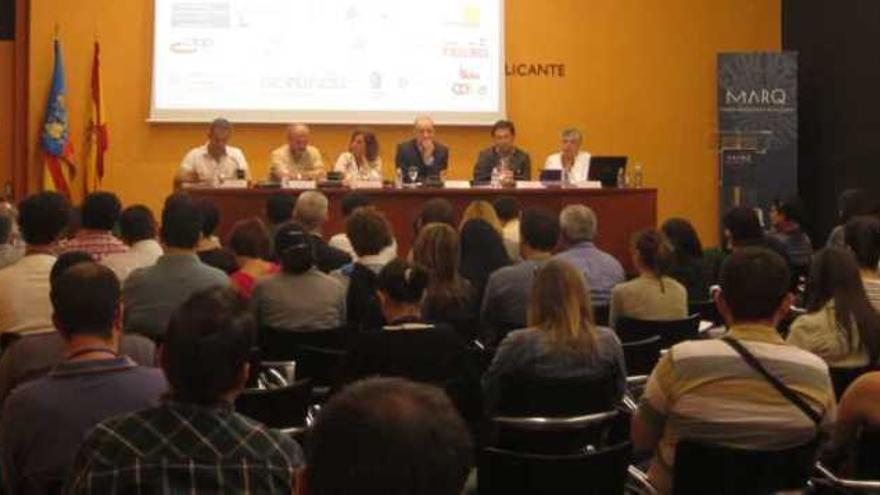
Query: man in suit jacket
(503, 155)
(422, 152)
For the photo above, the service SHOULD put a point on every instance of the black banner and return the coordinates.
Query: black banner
(758, 128)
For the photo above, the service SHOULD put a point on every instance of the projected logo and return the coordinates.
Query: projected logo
(478, 50)
(191, 45)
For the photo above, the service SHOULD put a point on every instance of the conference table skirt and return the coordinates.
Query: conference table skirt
(621, 212)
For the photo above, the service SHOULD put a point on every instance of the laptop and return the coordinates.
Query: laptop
(604, 169)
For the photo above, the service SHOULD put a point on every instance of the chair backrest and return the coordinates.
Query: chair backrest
(322, 365)
(671, 332)
(642, 355)
(281, 345)
(842, 378)
(702, 468)
(559, 436)
(706, 309)
(525, 394)
(867, 465)
(600, 314)
(504, 472)
(281, 407)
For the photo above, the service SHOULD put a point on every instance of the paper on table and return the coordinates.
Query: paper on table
(529, 184)
(233, 184)
(300, 184)
(366, 184)
(457, 184)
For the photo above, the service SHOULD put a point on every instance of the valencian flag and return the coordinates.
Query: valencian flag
(55, 136)
(95, 164)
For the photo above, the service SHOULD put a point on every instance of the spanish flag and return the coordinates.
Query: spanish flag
(55, 136)
(97, 143)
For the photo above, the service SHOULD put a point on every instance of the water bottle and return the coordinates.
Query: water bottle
(637, 176)
(495, 180)
(398, 178)
(621, 178)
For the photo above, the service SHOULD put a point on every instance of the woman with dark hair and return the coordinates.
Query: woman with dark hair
(409, 347)
(482, 252)
(561, 340)
(687, 258)
(851, 203)
(652, 295)
(209, 249)
(362, 160)
(249, 240)
(840, 326)
(449, 297)
(301, 297)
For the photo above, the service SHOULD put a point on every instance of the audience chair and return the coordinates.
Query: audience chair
(707, 311)
(641, 355)
(281, 407)
(528, 395)
(323, 365)
(785, 325)
(560, 435)
(671, 332)
(602, 471)
(707, 469)
(278, 344)
(842, 378)
(600, 314)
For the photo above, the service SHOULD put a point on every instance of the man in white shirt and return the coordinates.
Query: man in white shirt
(24, 286)
(214, 160)
(571, 158)
(297, 159)
(137, 227)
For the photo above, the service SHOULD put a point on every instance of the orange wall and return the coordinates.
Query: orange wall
(640, 81)
(6, 111)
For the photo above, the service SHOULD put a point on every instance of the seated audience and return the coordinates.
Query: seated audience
(858, 409)
(652, 295)
(435, 210)
(687, 265)
(840, 326)
(851, 203)
(311, 213)
(362, 160)
(482, 253)
(503, 156)
(11, 245)
(194, 441)
(561, 339)
(862, 235)
(350, 203)
(409, 347)
(449, 297)
(209, 248)
(249, 241)
(279, 210)
(301, 297)
(137, 227)
(370, 237)
(483, 210)
(601, 270)
(742, 228)
(45, 421)
(410, 441)
(33, 355)
(508, 210)
(152, 293)
(786, 218)
(507, 292)
(24, 285)
(99, 214)
(703, 390)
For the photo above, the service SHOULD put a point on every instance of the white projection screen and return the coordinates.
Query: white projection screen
(328, 61)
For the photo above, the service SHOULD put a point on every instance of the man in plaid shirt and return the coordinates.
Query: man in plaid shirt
(99, 214)
(195, 442)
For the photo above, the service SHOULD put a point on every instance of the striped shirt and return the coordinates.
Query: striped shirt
(185, 449)
(97, 243)
(704, 390)
(872, 289)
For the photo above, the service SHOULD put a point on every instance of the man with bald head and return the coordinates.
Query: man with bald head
(297, 159)
(422, 153)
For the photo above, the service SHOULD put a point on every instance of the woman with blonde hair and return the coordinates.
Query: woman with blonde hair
(449, 297)
(561, 341)
(483, 210)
